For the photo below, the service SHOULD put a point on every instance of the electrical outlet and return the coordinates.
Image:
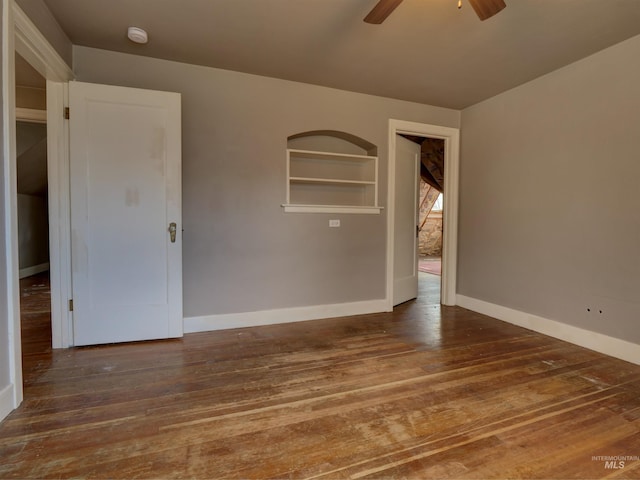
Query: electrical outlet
(334, 223)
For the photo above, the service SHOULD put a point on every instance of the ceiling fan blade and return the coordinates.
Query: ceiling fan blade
(381, 11)
(487, 8)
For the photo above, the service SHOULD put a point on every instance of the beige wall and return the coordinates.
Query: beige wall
(549, 196)
(33, 98)
(241, 251)
(33, 231)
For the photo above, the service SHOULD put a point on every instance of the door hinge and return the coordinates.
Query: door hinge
(71, 305)
(66, 113)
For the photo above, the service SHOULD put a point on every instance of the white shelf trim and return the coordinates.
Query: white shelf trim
(312, 153)
(368, 162)
(294, 208)
(330, 181)
(31, 115)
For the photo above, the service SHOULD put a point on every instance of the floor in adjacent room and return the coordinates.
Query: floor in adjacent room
(423, 392)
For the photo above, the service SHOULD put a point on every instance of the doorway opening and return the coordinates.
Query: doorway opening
(22, 37)
(430, 244)
(402, 180)
(430, 216)
(430, 230)
(32, 212)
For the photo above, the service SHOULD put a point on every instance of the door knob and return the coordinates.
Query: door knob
(172, 231)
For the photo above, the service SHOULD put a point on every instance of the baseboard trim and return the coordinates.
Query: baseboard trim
(6, 401)
(599, 342)
(283, 315)
(27, 272)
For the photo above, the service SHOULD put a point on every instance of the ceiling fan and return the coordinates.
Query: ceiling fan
(483, 8)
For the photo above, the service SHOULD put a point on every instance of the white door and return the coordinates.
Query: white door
(405, 260)
(125, 148)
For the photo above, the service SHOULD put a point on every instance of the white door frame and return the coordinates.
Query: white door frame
(451, 137)
(20, 35)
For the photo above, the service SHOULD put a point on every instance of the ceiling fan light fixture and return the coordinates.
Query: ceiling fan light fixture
(137, 35)
(487, 8)
(483, 8)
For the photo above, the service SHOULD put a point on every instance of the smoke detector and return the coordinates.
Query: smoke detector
(137, 35)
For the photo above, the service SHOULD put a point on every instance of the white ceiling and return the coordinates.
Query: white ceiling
(427, 51)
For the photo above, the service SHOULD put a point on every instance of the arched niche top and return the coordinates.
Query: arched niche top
(332, 141)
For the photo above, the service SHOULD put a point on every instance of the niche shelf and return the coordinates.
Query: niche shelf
(321, 181)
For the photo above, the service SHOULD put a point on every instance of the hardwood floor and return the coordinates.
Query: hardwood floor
(424, 392)
(35, 314)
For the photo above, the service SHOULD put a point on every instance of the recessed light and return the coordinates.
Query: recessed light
(137, 35)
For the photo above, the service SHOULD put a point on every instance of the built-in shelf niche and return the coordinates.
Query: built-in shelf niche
(331, 171)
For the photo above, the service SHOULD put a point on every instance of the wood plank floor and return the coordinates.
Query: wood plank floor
(424, 392)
